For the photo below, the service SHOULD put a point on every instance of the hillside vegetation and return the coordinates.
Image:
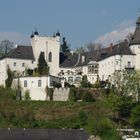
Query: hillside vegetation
(94, 117)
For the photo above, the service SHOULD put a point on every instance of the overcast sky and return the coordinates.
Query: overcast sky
(80, 21)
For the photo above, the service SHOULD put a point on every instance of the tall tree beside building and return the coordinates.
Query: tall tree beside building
(43, 68)
(10, 76)
(64, 46)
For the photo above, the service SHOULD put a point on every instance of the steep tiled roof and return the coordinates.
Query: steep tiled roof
(42, 134)
(97, 55)
(21, 52)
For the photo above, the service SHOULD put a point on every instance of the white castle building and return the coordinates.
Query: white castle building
(99, 64)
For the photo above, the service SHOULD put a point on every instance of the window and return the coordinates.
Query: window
(62, 72)
(50, 57)
(39, 83)
(129, 64)
(14, 64)
(70, 79)
(23, 73)
(68, 72)
(78, 79)
(23, 64)
(25, 83)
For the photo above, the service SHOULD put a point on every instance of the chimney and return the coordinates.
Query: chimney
(83, 58)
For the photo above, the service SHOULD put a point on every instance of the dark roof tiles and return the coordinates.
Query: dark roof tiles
(21, 52)
(121, 49)
(43, 134)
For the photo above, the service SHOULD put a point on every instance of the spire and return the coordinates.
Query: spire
(57, 33)
(32, 35)
(36, 32)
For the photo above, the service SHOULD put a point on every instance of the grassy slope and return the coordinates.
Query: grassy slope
(92, 116)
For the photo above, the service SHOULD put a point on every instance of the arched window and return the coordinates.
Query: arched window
(70, 79)
(39, 83)
(78, 79)
(50, 56)
(25, 83)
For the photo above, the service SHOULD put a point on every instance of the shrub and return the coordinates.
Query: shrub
(135, 116)
(85, 83)
(88, 97)
(27, 95)
(80, 94)
(29, 72)
(67, 85)
(72, 94)
(83, 117)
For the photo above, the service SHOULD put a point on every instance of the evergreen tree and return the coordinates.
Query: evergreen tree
(10, 76)
(64, 46)
(43, 68)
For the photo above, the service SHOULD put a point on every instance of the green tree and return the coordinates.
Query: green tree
(126, 83)
(126, 91)
(43, 68)
(64, 46)
(135, 116)
(10, 76)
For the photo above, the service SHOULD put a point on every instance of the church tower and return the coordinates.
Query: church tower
(135, 44)
(50, 46)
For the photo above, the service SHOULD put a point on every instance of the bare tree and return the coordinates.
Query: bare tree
(129, 37)
(80, 50)
(93, 46)
(90, 47)
(6, 46)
